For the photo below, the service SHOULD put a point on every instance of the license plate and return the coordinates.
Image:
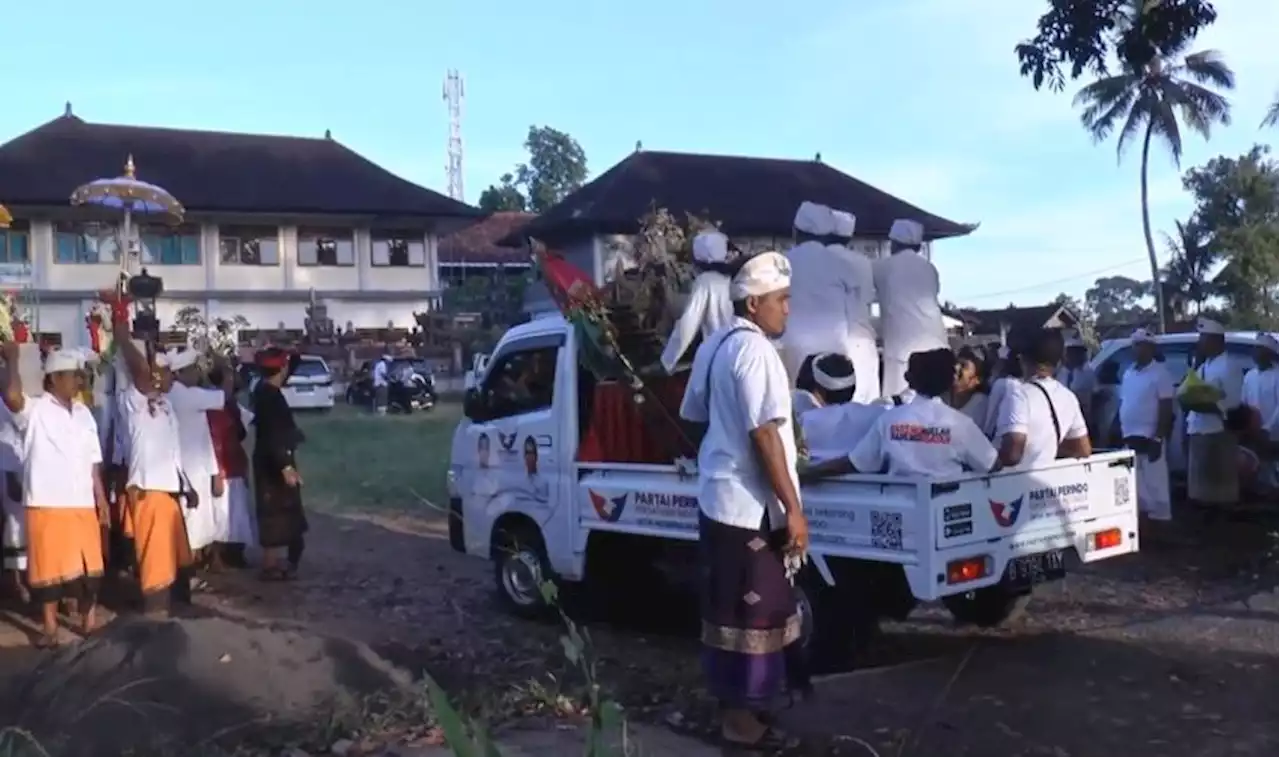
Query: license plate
(1029, 570)
(304, 389)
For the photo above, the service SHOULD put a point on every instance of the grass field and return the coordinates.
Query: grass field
(353, 460)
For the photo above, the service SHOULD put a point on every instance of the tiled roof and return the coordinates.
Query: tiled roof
(478, 243)
(213, 171)
(748, 196)
(1013, 319)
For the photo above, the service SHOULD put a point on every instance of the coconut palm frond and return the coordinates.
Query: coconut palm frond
(1273, 115)
(1205, 67)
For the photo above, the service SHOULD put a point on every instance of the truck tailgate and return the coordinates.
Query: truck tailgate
(1051, 506)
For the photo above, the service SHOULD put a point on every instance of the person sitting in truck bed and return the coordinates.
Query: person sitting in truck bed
(1040, 419)
(924, 437)
(837, 425)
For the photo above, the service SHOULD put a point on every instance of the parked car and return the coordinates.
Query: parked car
(1178, 351)
(360, 388)
(310, 387)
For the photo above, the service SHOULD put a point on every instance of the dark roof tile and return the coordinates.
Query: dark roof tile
(1014, 319)
(748, 196)
(478, 243)
(213, 171)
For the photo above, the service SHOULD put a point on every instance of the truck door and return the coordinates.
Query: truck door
(515, 466)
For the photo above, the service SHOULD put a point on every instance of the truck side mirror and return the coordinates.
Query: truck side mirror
(473, 404)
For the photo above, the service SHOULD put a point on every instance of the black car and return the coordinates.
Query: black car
(360, 387)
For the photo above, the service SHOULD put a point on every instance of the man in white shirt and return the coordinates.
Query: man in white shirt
(907, 288)
(750, 523)
(62, 491)
(1213, 472)
(832, 292)
(158, 490)
(922, 437)
(209, 522)
(1261, 395)
(380, 387)
(1146, 421)
(839, 423)
(1039, 419)
(708, 308)
(860, 345)
(1076, 375)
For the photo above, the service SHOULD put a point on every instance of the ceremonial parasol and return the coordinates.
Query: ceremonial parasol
(5, 217)
(130, 196)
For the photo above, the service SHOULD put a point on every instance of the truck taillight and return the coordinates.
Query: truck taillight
(1099, 540)
(968, 569)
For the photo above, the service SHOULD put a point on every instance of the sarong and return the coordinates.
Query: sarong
(1213, 471)
(750, 623)
(281, 519)
(201, 520)
(241, 526)
(14, 526)
(1153, 485)
(894, 379)
(160, 540)
(64, 551)
(866, 370)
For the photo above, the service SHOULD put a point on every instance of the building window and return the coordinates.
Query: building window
(85, 242)
(249, 245)
(398, 249)
(326, 247)
(13, 243)
(168, 245)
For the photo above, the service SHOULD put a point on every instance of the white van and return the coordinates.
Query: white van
(980, 543)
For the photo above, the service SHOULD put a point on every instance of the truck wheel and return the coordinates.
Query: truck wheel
(987, 607)
(520, 567)
(827, 627)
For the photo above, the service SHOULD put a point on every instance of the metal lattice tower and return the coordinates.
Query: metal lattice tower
(453, 95)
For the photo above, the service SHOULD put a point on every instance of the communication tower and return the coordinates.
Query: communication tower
(453, 96)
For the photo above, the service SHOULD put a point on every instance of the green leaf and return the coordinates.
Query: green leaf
(571, 650)
(451, 722)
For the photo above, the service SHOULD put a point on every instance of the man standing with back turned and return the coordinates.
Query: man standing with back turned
(750, 521)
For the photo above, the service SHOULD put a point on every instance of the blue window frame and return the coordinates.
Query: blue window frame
(165, 245)
(15, 243)
(89, 243)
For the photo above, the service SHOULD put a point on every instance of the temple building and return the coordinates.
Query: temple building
(272, 225)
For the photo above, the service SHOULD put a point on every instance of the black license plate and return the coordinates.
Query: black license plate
(1030, 570)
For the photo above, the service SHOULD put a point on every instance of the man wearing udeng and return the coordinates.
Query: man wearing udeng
(750, 518)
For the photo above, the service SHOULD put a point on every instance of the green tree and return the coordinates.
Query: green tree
(557, 166)
(504, 195)
(1187, 277)
(1118, 299)
(1236, 205)
(1149, 101)
(1078, 36)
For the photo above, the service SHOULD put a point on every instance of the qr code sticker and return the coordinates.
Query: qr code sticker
(1122, 491)
(886, 530)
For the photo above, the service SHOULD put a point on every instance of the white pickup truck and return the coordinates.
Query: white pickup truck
(979, 543)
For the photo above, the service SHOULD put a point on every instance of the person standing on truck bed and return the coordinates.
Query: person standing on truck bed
(709, 307)
(1040, 419)
(1146, 421)
(910, 317)
(1213, 474)
(925, 437)
(750, 520)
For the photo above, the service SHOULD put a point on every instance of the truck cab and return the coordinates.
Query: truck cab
(525, 496)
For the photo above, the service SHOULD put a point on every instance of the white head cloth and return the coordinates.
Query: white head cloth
(711, 247)
(1268, 341)
(762, 274)
(177, 359)
(829, 382)
(843, 223)
(1142, 336)
(908, 232)
(812, 218)
(62, 360)
(1210, 326)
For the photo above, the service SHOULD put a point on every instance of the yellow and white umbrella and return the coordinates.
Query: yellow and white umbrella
(6, 218)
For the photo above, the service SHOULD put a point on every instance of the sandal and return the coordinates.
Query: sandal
(771, 741)
(46, 641)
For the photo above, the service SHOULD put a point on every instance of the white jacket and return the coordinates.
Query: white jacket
(832, 288)
(709, 309)
(910, 318)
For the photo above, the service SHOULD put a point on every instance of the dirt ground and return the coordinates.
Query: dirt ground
(1173, 651)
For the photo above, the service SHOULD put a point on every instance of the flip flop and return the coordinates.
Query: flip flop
(46, 641)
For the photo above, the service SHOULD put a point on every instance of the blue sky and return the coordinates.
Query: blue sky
(918, 97)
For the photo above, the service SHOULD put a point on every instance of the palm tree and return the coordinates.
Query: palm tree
(1149, 101)
(1273, 114)
(1186, 283)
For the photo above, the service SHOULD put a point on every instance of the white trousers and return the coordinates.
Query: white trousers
(866, 370)
(1153, 486)
(894, 380)
(14, 543)
(202, 520)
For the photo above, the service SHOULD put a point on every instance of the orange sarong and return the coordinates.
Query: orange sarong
(64, 545)
(159, 539)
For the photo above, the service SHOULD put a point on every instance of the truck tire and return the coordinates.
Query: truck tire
(987, 607)
(827, 627)
(520, 567)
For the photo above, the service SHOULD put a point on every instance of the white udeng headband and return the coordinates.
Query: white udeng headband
(829, 382)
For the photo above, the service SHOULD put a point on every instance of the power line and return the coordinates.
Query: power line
(1042, 284)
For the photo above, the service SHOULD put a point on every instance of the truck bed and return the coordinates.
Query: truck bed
(929, 526)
